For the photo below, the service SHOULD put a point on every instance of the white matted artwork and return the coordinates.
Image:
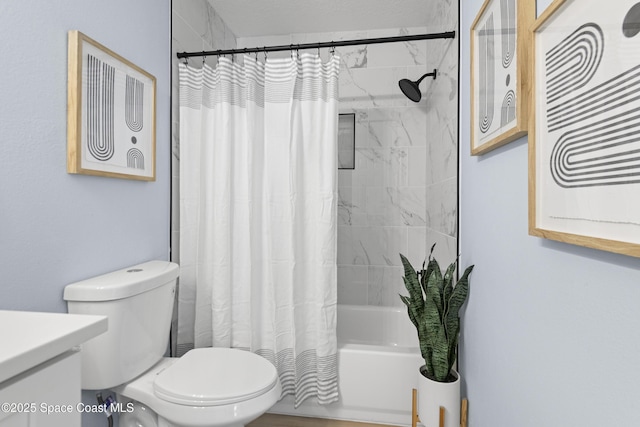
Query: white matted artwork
(500, 80)
(584, 147)
(110, 113)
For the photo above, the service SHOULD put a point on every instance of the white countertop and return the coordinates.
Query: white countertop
(30, 338)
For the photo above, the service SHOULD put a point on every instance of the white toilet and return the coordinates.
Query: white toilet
(206, 387)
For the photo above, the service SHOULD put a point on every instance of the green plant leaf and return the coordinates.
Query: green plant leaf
(452, 320)
(426, 273)
(434, 295)
(448, 285)
(432, 318)
(459, 294)
(405, 300)
(425, 348)
(453, 344)
(436, 273)
(427, 356)
(411, 314)
(411, 281)
(440, 356)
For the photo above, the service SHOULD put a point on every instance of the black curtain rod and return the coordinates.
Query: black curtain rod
(446, 35)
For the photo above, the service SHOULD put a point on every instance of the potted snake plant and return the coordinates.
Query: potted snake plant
(433, 305)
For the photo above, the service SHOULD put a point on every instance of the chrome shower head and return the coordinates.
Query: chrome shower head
(411, 89)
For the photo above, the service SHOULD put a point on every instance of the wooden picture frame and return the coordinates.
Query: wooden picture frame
(500, 81)
(584, 170)
(111, 113)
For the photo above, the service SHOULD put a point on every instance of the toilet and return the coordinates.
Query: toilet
(206, 387)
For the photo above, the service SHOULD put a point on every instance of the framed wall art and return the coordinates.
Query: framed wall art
(584, 144)
(111, 128)
(500, 81)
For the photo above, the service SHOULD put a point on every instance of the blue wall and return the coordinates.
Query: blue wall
(551, 333)
(56, 228)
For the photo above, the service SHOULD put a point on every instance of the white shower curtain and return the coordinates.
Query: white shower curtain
(258, 200)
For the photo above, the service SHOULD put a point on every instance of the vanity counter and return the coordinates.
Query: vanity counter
(32, 338)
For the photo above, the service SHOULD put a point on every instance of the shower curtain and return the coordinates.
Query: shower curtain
(258, 209)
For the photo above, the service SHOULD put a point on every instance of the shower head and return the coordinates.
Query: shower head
(411, 89)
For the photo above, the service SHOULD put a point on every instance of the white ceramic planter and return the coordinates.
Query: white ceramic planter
(432, 395)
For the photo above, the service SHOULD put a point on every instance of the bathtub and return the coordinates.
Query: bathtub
(378, 361)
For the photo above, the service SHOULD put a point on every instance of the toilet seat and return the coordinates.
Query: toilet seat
(215, 376)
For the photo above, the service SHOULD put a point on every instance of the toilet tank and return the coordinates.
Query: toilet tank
(138, 302)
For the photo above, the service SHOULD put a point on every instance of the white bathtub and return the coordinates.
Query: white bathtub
(378, 361)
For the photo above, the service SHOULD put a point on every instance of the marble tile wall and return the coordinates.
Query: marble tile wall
(402, 195)
(195, 27)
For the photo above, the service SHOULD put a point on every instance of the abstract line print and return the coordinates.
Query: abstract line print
(100, 109)
(135, 159)
(486, 73)
(573, 62)
(508, 27)
(134, 103)
(616, 92)
(606, 152)
(508, 110)
(600, 153)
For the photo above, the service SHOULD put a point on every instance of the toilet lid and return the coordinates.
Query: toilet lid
(215, 376)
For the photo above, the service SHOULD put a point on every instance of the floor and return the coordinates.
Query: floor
(273, 420)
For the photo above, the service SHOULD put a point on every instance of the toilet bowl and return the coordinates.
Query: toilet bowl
(232, 387)
(206, 387)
